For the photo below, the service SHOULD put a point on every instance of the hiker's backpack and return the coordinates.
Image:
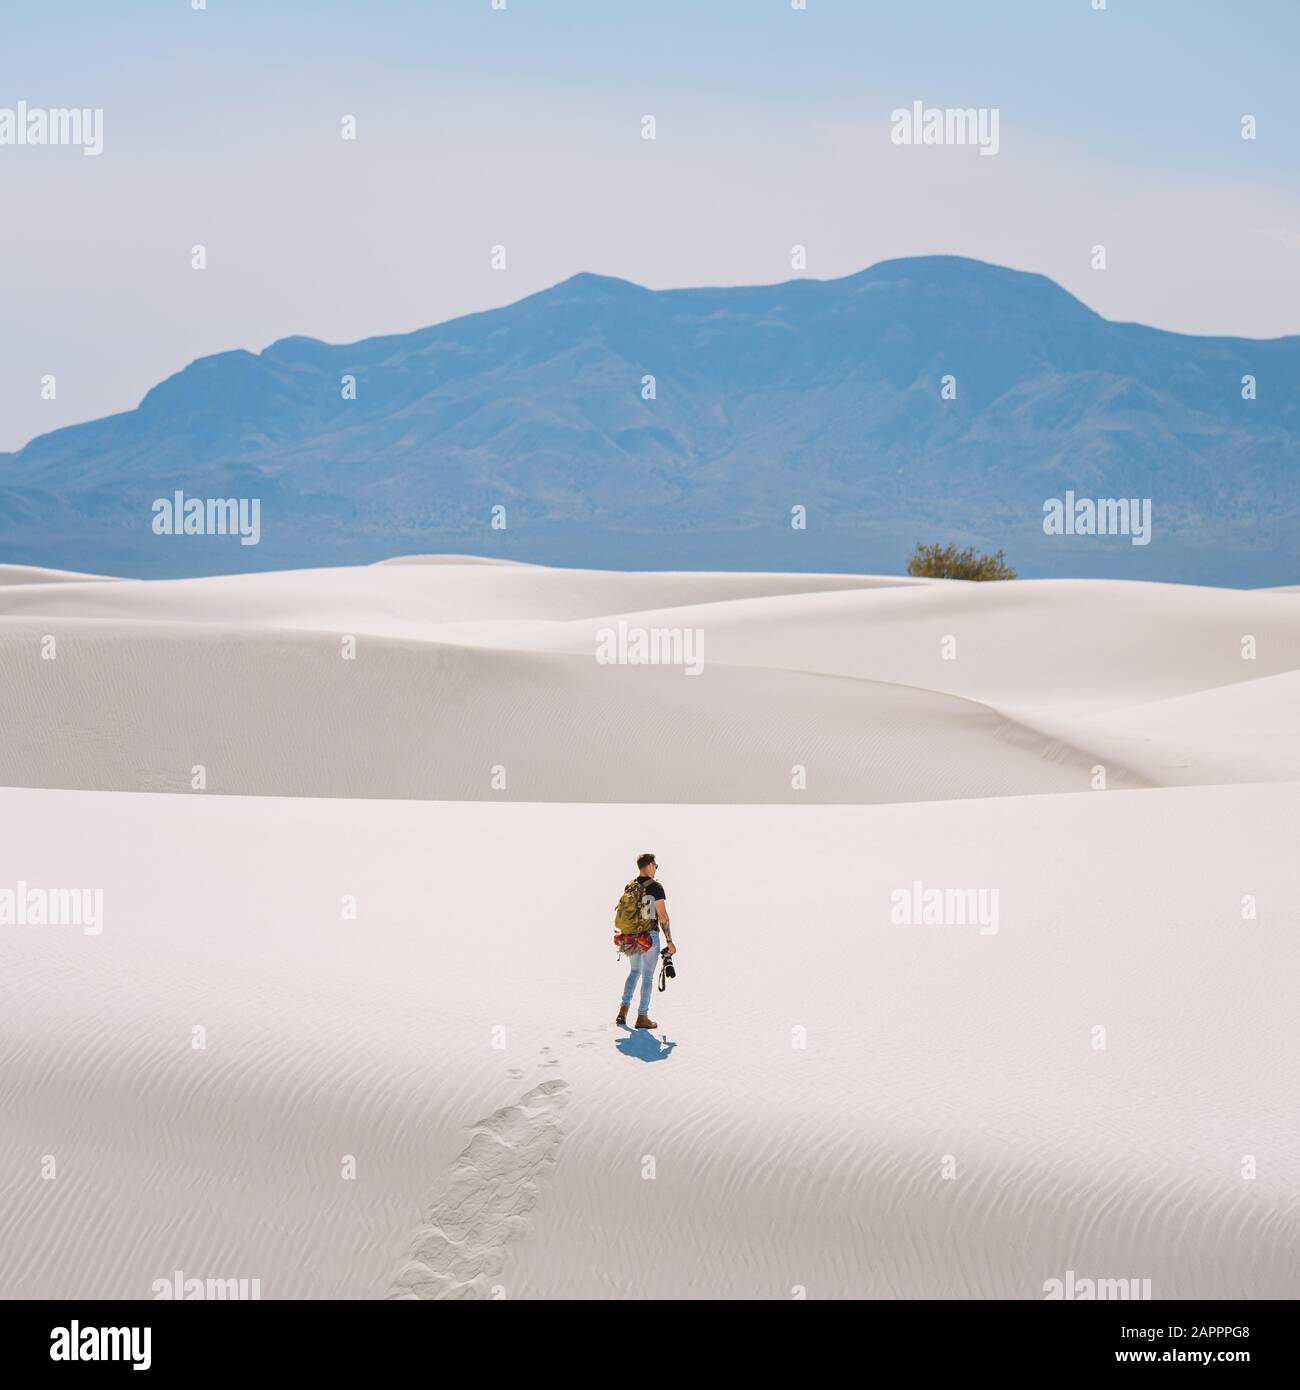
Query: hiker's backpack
(628, 918)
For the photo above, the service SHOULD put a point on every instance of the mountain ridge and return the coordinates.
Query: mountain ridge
(820, 393)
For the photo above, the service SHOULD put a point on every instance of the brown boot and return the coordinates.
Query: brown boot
(622, 1015)
(643, 1022)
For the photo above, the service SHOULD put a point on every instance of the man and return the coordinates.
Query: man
(643, 965)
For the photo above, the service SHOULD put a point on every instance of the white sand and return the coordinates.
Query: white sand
(466, 668)
(521, 1167)
(31, 574)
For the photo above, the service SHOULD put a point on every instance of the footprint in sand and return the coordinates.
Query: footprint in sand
(597, 1035)
(494, 1185)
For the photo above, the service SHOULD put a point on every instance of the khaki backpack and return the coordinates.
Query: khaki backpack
(628, 917)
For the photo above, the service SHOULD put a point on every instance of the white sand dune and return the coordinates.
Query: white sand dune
(1246, 732)
(412, 599)
(814, 688)
(32, 574)
(451, 560)
(1079, 646)
(279, 713)
(520, 1166)
(835, 1102)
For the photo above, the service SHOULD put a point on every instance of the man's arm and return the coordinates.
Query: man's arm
(661, 910)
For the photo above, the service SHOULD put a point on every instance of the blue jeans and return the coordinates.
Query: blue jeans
(643, 969)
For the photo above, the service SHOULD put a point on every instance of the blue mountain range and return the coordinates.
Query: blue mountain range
(823, 395)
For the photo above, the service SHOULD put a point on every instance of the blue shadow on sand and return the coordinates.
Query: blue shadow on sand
(642, 1044)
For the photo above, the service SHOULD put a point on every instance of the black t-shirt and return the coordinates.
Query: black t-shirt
(653, 893)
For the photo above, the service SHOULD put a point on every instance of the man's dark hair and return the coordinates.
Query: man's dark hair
(643, 859)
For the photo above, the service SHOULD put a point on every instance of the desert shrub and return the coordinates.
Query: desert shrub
(947, 562)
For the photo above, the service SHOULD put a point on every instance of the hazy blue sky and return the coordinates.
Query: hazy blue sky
(523, 127)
